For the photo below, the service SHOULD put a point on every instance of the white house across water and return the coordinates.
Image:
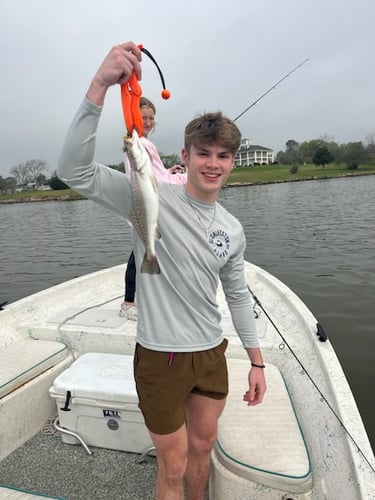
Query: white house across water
(251, 154)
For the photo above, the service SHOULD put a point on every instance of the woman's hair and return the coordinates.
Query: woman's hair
(213, 128)
(144, 102)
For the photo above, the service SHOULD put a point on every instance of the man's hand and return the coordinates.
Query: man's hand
(257, 387)
(116, 68)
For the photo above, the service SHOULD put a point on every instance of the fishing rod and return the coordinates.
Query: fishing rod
(271, 88)
(322, 338)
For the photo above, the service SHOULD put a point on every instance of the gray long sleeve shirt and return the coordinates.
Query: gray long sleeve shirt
(177, 309)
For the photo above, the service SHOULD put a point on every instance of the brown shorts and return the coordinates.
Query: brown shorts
(164, 382)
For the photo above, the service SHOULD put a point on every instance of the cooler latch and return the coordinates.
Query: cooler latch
(67, 401)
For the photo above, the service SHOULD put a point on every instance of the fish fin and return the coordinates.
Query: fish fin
(150, 266)
(157, 234)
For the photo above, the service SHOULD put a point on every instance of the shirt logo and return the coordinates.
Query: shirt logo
(219, 242)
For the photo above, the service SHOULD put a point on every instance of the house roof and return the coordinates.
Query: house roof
(253, 147)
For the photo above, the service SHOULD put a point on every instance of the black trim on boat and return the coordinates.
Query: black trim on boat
(323, 337)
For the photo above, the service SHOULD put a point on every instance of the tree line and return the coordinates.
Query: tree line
(323, 151)
(320, 152)
(32, 174)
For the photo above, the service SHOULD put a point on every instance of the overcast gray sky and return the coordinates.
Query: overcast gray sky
(215, 55)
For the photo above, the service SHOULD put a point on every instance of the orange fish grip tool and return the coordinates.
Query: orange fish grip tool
(131, 93)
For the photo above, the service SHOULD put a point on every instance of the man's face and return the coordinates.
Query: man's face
(208, 167)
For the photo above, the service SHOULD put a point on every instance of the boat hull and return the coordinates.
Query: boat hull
(83, 315)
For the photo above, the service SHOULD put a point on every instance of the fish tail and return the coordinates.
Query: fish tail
(150, 265)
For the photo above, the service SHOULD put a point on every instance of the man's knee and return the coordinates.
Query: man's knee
(172, 468)
(171, 454)
(202, 445)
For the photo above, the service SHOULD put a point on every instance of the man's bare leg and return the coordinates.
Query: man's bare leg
(202, 417)
(171, 455)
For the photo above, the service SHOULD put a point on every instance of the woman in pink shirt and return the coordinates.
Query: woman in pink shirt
(173, 175)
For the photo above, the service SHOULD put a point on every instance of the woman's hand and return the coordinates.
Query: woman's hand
(177, 169)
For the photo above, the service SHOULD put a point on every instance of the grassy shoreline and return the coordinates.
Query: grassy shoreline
(247, 176)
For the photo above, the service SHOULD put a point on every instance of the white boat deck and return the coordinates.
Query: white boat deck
(83, 315)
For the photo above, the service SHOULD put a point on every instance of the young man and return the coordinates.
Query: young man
(179, 361)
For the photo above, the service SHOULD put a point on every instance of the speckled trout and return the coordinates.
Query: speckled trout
(145, 200)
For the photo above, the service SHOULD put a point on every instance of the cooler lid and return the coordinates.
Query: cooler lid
(102, 376)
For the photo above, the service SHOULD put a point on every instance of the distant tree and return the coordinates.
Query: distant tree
(281, 158)
(7, 185)
(170, 160)
(57, 184)
(120, 167)
(334, 149)
(36, 167)
(29, 171)
(292, 152)
(307, 150)
(322, 156)
(41, 179)
(20, 173)
(370, 148)
(353, 154)
(11, 183)
(3, 185)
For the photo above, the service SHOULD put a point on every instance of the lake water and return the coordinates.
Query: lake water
(316, 236)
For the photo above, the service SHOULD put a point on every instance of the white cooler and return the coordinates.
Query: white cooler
(96, 399)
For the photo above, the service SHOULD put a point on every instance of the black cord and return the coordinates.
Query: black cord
(148, 53)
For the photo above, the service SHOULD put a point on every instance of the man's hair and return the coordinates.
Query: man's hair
(146, 103)
(213, 128)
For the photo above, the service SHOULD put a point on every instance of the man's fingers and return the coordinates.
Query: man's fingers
(131, 56)
(132, 48)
